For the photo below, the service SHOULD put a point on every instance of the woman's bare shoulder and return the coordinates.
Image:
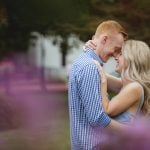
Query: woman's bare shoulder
(134, 87)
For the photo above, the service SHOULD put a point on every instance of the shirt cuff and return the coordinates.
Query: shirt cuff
(104, 120)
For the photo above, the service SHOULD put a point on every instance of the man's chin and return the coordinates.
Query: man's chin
(105, 60)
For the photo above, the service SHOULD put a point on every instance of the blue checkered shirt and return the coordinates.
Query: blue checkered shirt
(87, 117)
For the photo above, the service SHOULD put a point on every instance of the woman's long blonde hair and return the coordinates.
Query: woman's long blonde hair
(137, 56)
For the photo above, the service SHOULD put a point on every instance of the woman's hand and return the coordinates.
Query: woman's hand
(90, 44)
(103, 77)
(105, 100)
(103, 80)
(103, 85)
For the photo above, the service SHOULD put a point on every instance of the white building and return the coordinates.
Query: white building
(42, 52)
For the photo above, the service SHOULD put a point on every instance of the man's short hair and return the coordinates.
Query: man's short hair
(110, 27)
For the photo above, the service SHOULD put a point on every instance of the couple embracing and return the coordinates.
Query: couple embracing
(89, 106)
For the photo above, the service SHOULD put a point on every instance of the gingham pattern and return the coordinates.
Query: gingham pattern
(86, 114)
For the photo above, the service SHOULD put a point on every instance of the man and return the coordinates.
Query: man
(87, 117)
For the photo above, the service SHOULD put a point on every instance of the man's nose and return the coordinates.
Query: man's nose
(115, 56)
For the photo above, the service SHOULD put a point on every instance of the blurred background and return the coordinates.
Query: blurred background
(38, 42)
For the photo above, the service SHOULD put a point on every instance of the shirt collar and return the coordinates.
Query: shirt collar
(90, 52)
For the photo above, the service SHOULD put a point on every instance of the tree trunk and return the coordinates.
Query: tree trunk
(64, 59)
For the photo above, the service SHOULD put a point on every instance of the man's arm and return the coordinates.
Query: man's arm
(116, 126)
(89, 92)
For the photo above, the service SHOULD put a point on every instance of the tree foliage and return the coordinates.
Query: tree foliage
(81, 17)
(46, 16)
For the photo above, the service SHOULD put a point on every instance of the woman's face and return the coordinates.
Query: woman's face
(120, 63)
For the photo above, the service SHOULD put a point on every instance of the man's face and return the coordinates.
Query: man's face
(112, 47)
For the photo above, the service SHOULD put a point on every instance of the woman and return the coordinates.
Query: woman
(133, 88)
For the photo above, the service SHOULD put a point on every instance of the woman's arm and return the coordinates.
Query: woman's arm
(128, 96)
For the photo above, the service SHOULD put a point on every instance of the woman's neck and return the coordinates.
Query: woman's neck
(125, 82)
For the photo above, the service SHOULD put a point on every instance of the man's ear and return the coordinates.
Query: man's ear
(104, 39)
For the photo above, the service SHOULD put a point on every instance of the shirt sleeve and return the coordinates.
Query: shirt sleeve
(89, 92)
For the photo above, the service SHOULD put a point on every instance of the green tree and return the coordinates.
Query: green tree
(47, 17)
(63, 18)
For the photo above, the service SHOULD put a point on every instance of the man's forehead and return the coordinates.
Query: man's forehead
(120, 38)
(119, 45)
